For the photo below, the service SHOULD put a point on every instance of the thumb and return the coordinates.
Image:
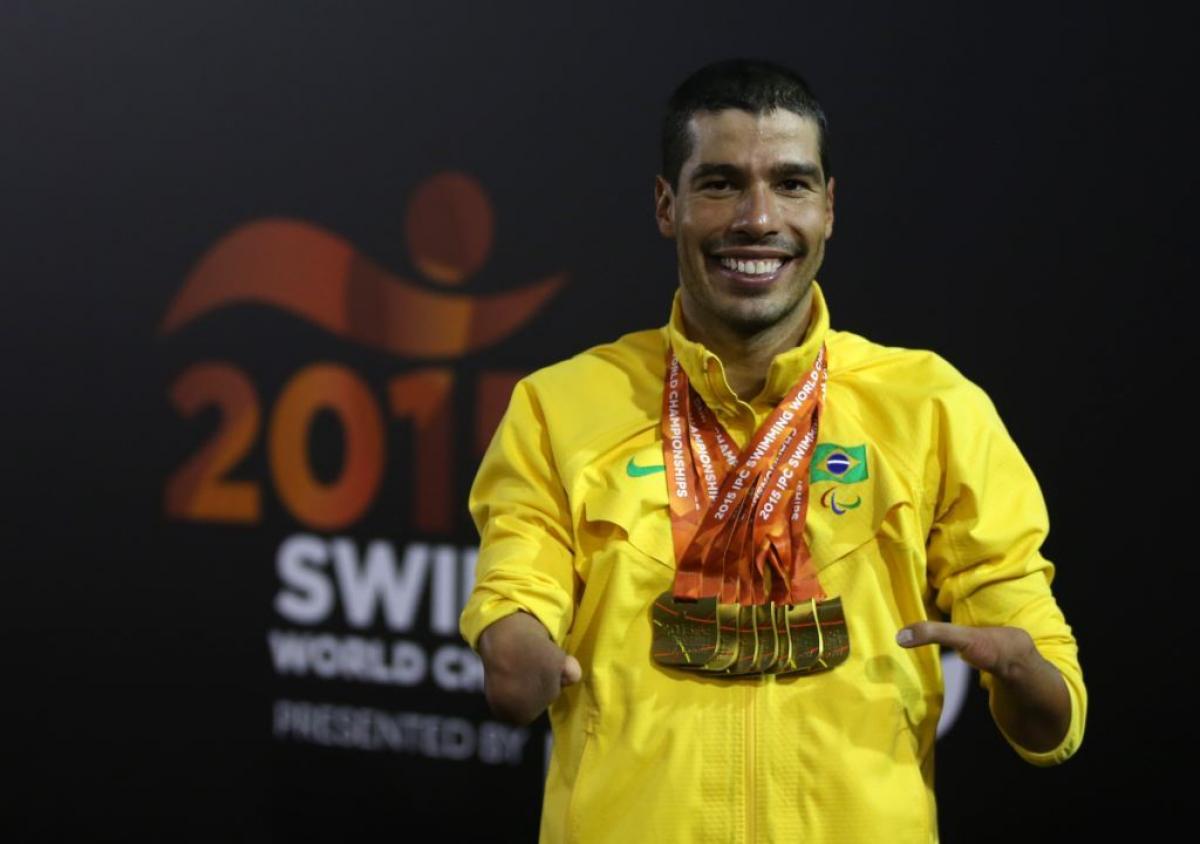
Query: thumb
(935, 633)
(571, 671)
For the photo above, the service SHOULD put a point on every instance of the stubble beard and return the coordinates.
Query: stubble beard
(751, 317)
(748, 316)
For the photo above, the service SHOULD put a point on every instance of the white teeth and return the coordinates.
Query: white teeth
(767, 267)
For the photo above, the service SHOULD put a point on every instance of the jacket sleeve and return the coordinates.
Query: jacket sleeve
(983, 552)
(521, 512)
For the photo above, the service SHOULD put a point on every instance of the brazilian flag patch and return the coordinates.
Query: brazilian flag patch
(843, 464)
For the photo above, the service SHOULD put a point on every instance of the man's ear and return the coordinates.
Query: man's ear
(829, 185)
(664, 207)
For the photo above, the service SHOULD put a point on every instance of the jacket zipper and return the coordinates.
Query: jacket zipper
(751, 764)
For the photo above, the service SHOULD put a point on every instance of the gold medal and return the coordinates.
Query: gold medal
(686, 634)
(835, 639)
(768, 637)
(784, 648)
(728, 646)
(748, 650)
(817, 636)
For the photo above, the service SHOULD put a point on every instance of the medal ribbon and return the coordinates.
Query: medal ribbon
(737, 520)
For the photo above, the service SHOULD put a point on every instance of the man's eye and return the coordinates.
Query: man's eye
(716, 184)
(794, 184)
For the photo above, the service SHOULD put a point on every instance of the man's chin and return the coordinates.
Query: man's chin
(753, 317)
(755, 313)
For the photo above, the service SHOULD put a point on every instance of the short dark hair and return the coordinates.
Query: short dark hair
(751, 85)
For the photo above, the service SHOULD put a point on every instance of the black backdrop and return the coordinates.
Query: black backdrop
(1014, 183)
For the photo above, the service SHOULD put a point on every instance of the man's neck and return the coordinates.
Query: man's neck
(747, 357)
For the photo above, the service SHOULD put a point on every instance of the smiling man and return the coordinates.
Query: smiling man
(725, 552)
(750, 213)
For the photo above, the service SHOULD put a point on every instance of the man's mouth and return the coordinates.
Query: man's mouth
(750, 270)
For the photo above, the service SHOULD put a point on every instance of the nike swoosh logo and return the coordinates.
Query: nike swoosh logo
(636, 471)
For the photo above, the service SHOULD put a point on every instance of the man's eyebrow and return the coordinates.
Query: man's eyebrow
(703, 171)
(794, 169)
(784, 170)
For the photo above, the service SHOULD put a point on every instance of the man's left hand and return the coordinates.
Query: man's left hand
(1030, 701)
(1002, 651)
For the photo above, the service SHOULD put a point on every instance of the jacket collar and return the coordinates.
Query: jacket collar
(706, 372)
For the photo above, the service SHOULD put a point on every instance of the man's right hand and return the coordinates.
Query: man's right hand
(523, 669)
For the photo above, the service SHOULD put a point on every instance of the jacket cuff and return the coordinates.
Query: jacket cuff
(486, 608)
(1070, 742)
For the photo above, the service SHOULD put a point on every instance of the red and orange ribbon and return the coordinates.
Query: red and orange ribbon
(738, 520)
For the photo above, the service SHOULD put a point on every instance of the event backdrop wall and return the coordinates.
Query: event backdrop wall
(272, 270)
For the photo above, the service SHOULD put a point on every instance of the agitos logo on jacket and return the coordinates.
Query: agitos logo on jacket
(841, 465)
(319, 277)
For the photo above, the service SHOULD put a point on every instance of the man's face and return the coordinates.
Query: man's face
(750, 218)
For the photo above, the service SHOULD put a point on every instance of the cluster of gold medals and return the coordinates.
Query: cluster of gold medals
(771, 638)
(746, 599)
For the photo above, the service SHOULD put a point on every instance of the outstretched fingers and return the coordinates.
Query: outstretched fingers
(981, 647)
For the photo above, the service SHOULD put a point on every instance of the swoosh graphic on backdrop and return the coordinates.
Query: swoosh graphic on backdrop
(318, 276)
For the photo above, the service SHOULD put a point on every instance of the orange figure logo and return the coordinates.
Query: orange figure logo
(317, 275)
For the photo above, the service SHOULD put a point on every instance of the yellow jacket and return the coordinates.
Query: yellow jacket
(948, 523)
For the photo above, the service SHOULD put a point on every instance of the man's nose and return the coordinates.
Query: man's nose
(757, 212)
